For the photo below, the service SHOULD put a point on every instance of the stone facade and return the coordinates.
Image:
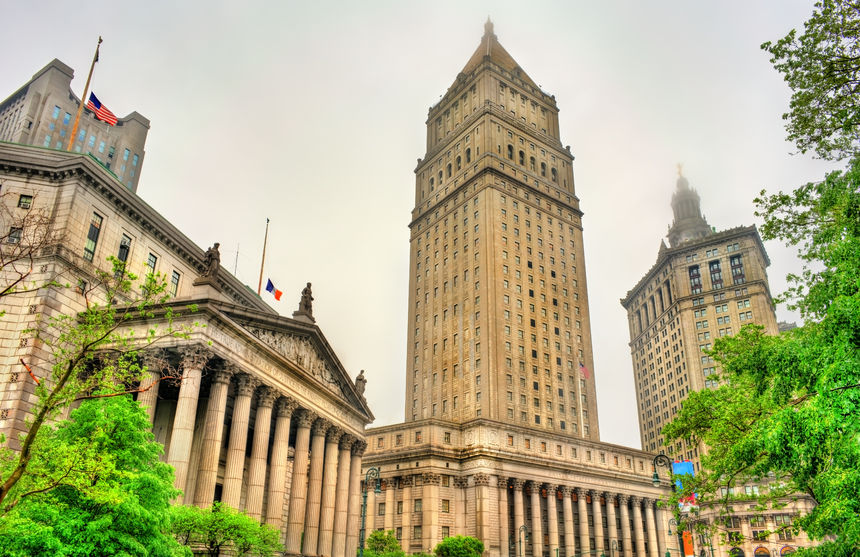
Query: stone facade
(42, 112)
(265, 418)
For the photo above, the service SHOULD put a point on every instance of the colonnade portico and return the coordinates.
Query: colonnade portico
(312, 499)
(559, 520)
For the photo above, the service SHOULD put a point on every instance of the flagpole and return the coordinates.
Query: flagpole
(84, 98)
(263, 261)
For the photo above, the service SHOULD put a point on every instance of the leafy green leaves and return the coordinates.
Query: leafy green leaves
(220, 528)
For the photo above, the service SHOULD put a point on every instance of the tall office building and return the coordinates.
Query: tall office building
(501, 436)
(704, 285)
(498, 306)
(42, 112)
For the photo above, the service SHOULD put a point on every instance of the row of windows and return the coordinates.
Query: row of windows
(716, 274)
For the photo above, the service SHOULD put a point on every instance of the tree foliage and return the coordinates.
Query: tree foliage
(787, 412)
(220, 528)
(822, 67)
(95, 486)
(382, 543)
(459, 546)
(92, 355)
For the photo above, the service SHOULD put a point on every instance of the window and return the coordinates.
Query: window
(417, 506)
(67, 118)
(400, 507)
(124, 248)
(381, 509)
(446, 532)
(174, 283)
(716, 275)
(25, 201)
(416, 532)
(695, 279)
(446, 505)
(737, 266)
(151, 262)
(56, 113)
(93, 237)
(125, 154)
(398, 533)
(14, 236)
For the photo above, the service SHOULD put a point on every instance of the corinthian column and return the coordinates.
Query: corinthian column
(567, 509)
(299, 484)
(341, 502)
(584, 544)
(406, 483)
(354, 507)
(148, 395)
(213, 430)
(637, 525)
(482, 497)
(504, 518)
(329, 489)
(626, 536)
(257, 467)
(278, 463)
(519, 512)
(552, 518)
(430, 512)
(312, 512)
(235, 468)
(610, 519)
(598, 520)
(193, 361)
(653, 548)
(537, 526)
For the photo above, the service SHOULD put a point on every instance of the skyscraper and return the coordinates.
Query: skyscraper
(501, 437)
(498, 304)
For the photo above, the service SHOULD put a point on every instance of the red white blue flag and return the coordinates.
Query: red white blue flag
(271, 288)
(583, 369)
(102, 112)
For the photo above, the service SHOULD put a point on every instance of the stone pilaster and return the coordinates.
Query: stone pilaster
(552, 517)
(504, 518)
(610, 519)
(341, 500)
(329, 491)
(406, 484)
(483, 504)
(567, 509)
(278, 462)
(259, 451)
(597, 513)
(430, 512)
(662, 528)
(299, 483)
(460, 485)
(213, 431)
(388, 522)
(353, 515)
(193, 361)
(653, 548)
(315, 478)
(584, 544)
(537, 522)
(235, 468)
(148, 395)
(519, 515)
(626, 536)
(638, 530)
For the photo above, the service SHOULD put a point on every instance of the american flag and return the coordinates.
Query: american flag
(102, 113)
(583, 369)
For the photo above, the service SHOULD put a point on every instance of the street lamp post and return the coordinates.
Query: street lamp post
(520, 534)
(372, 474)
(663, 460)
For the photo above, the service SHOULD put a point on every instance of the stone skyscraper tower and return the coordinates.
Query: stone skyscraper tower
(498, 307)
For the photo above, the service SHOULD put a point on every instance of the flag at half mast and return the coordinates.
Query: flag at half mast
(102, 112)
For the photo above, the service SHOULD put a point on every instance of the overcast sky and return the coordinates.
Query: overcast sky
(312, 114)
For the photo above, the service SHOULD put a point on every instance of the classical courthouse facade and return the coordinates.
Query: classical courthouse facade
(265, 418)
(704, 285)
(501, 439)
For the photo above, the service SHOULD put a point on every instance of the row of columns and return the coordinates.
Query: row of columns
(624, 544)
(322, 515)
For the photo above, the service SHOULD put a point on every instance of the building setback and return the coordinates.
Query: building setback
(501, 438)
(42, 112)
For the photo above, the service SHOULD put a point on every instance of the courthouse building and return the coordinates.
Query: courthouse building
(704, 285)
(265, 418)
(501, 438)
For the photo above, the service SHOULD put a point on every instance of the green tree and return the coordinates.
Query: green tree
(95, 486)
(93, 355)
(822, 67)
(222, 528)
(459, 546)
(382, 543)
(787, 412)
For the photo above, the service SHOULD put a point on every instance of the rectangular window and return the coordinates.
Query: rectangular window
(695, 279)
(14, 236)
(400, 507)
(93, 237)
(737, 265)
(446, 530)
(416, 533)
(174, 283)
(151, 262)
(67, 118)
(417, 506)
(716, 275)
(56, 113)
(125, 154)
(25, 201)
(381, 509)
(446, 505)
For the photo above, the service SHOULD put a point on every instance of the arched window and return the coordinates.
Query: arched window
(431, 183)
(459, 161)
(449, 170)
(736, 552)
(554, 175)
(510, 151)
(522, 158)
(531, 163)
(440, 176)
(468, 155)
(543, 169)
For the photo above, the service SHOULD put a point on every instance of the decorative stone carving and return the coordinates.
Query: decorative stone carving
(212, 260)
(610, 498)
(305, 418)
(222, 376)
(334, 435)
(623, 499)
(320, 427)
(461, 483)
(154, 360)
(358, 447)
(406, 481)
(580, 492)
(565, 490)
(360, 383)
(431, 479)
(266, 396)
(195, 357)
(286, 406)
(346, 442)
(481, 479)
(246, 384)
(518, 484)
(635, 500)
